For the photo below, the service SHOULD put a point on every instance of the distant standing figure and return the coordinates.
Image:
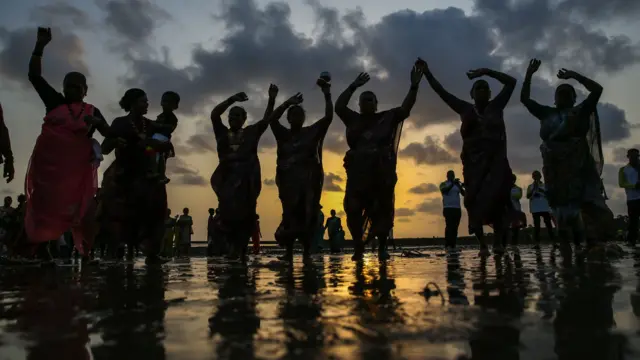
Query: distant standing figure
(334, 227)
(318, 237)
(257, 234)
(169, 235)
(185, 230)
(211, 232)
(629, 180)
(519, 219)
(451, 190)
(539, 207)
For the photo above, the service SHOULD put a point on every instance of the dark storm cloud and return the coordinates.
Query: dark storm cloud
(60, 14)
(65, 53)
(134, 20)
(182, 173)
(330, 180)
(404, 212)
(429, 152)
(430, 206)
(261, 46)
(424, 188)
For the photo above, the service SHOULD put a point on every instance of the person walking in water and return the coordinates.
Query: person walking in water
(539, 207)
(451, 189)
(255, 237)
(629, 180)
(333, 227)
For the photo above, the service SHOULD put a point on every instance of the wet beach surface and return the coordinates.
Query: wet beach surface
(532, 305)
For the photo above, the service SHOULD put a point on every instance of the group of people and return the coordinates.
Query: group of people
(61, 181)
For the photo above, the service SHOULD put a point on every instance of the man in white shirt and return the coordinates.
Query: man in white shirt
(451, 190)
(629, 180)
(539, 207)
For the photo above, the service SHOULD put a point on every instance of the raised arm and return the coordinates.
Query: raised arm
(216, 113)
(264, 122)
(509, 83)
(342, 103)
(537, 110)
(457, 105)
(595, 90)
(326, 120)
(279, 111)
(410, 100)
(50, 97)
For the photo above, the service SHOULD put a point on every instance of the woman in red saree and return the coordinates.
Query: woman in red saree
(485, 167)
(61, 178)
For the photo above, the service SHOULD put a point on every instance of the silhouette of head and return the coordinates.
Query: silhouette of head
(451, 175)
(536, 175)
(170, 101)
(296, 117)
(22, 198)
(168, 212)
(514, 178)
(633, 155)
(368, 103)
(8, 201)
(480, 92)
(565, 96)
(135, 102)
(237, 118)
(185, 211)
(74, 86)
(212, 211)
(333, 212)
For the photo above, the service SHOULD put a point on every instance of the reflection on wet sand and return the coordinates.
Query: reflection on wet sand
(522, 305)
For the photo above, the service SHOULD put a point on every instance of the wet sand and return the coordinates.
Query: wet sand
(533, 305)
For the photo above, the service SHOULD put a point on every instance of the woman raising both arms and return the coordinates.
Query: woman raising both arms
(236, 180)
(570, 146)
(299, 172)
(485, 167)
(62, 176)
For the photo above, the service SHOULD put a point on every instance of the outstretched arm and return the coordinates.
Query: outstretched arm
(595, 92)
(410, 100)
(277, 128)
(457, 105)
(264, 123)
(537, 110)
(5, 141)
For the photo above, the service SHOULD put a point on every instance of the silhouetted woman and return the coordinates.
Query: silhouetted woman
(299, 174)
(135, 204)
(236, 180)
(572, 157)
(370, 163)
(485, 167)
(62, 179)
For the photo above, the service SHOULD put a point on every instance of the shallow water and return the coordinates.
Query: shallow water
(533, 305)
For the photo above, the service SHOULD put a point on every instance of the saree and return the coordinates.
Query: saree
(370, 165)
(485, 168)
(572, 166)
(237, 183)
(299, 178)
(61, 178)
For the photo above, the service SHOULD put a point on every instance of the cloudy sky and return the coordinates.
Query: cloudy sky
(206, 50)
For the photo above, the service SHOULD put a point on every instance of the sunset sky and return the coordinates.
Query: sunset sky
(207, 50)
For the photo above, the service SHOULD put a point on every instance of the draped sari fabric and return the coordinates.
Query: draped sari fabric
(61, 178)
(236, 181)
(299, 177)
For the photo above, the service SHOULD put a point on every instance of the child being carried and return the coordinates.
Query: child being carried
(164, 126)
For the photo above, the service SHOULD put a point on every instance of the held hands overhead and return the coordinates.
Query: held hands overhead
(474, 74)
(563, 74)
(242, 97)
(295, 100)
(362, 79)
(273, 91)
